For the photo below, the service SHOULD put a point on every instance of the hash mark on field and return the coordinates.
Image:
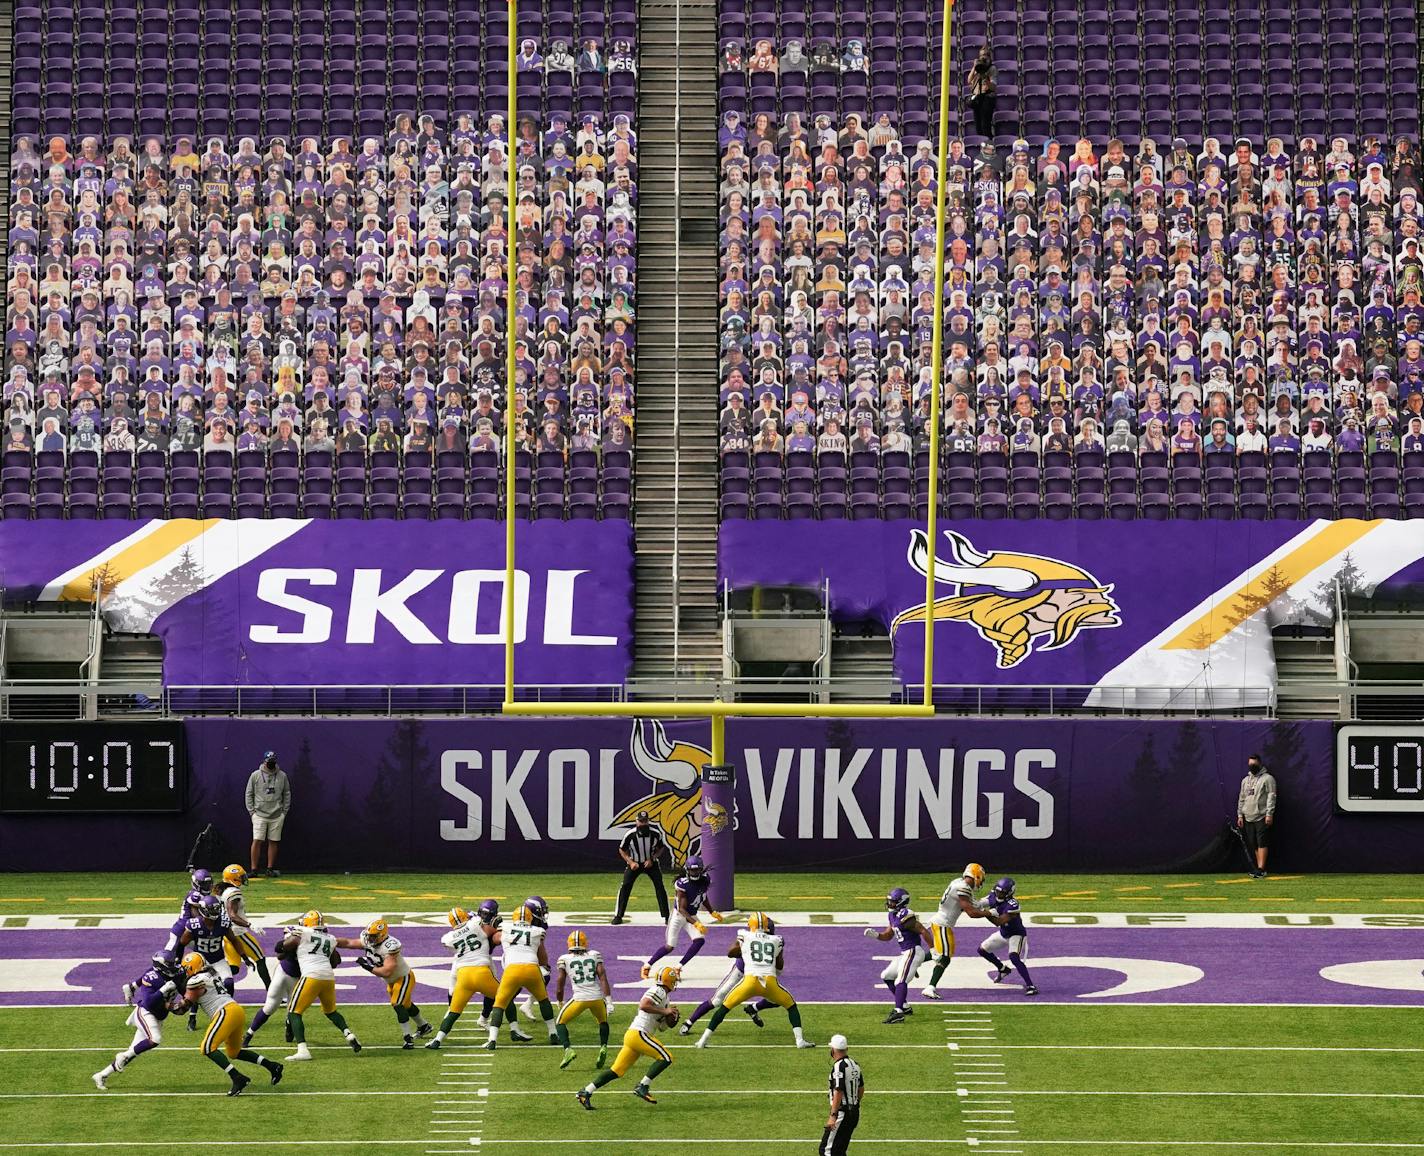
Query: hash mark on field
(1174, 885)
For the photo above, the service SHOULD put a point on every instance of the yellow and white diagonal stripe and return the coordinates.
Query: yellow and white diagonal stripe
(128, 570)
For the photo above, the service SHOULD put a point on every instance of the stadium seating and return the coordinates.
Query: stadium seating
(1218, 318)
(257, 260)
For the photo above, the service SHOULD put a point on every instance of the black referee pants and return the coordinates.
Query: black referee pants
(835, 1141)
(655, 873)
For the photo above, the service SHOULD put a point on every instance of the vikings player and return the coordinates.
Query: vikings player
(691, 887)
(1011, 934)
(152, 996)
(957, 900)
(202, 887)
(913, 939)
(284, 979)
(208, 933)
(248, 947)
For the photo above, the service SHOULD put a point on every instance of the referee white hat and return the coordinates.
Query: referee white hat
(839, 1043)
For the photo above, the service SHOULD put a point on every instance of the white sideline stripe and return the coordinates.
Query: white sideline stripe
(1175, 1048)
(1223, 1143)
(880, 1003)
(721, 1047)
(1252, 1095)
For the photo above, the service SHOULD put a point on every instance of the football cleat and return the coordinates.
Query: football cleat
(975, 874)
(578, 941)
(457, 917)
(482, 1022)
(247, 1038)
(668, 977)
(301, 1055)
(895, 1017)
(1000, 975)
(276, 1070)
(193, 963)
(409, 1045)
(602, 1059)
(754, 1015)
(643, 1092)
(490, 1045)
(1030, 990)
(355, 1044)
(234, 874)
(433, 1046)
(897, 899)
(553, 1040)
(569, 1056)
(585, 1098)
(376, 932)
(424, 1030)
(101, 1081)
(519, 1036)
(192, 1021)
(239, 1081)
(685, 1028)
(930, 993)
(313, 918)
(805, 1044)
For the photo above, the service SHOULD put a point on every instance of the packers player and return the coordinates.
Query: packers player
(525, 957)
(222, 1042)
(763, 952)
(472, 970)
(583, 968)
(655, 1013)
(314, 946)
(719, 997)
(381, 956)
(957, 900)
(247, 948)
(691, 891)
(152, 996)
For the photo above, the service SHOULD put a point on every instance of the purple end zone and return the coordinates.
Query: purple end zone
(1168, 965)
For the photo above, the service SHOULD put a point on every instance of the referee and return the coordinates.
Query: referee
(641, 850)
(847, 1086)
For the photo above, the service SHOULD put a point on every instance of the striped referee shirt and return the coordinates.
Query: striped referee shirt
(642, 844)
(846, 1079)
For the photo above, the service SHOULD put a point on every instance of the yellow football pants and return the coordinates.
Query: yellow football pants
(308, 991)
(400, 990)
(226, 1030)
(576, 1007)
(470, 982)
(767, 987)
(519, 977)
(635, 1044)
(247, 949)
(943, 939)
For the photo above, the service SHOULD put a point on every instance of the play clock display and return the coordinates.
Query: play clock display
(1379, 768)
(92, 767)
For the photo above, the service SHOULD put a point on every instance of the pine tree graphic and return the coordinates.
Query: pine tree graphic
(168, 589)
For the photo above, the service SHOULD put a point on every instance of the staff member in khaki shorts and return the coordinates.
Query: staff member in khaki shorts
(269, 798)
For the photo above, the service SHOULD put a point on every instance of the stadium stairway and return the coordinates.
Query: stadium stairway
(7, 79)
(676, 508)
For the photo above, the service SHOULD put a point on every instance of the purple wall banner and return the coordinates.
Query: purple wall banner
(1097, 604)
(289, 602)
(505, 794)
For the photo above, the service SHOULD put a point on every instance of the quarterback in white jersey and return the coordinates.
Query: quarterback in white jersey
(656, 1011)
(762, 952)
(314, 947)
(581, 969)
(958, 899)
(222, 1042)
(381, 955)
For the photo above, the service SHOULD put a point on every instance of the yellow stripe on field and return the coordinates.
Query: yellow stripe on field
(39, 899)
(1205, 899)
(1402, 900)
(1225, 614)
(1139, 888)
(805, 897)
(100, 899)
(1236, 882)
(1173, 885)
(1273, 899)
(381, 891)
(1337, 901)
(149, 549)
(342, 887)
(288, 882)
(1077, 894)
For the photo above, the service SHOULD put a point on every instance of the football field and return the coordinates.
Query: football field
(1177, 1013)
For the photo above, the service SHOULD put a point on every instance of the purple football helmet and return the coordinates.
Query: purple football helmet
(210, 909)
(1004, 888)
(695, 867)
(165, 964)
(488, 911)
(897, 899)
(202, 881)
(538, 907)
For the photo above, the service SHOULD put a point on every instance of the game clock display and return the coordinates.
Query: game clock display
(1379, 769)
(92, 768)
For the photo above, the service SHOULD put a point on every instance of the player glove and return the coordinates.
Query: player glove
(701, 927)
(608, 1004)
(871, 933)
(366, 964)
(718, 916)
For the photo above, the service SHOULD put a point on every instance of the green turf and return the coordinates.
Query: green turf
(156, 891)
(728, 1094)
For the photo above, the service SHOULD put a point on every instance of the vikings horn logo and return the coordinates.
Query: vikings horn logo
(675, 770)
(1014, 601)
